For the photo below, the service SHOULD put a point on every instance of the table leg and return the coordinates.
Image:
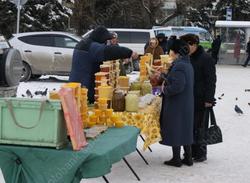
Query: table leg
(105, 179)
(124, 159)
(144, 141)
(142, 156)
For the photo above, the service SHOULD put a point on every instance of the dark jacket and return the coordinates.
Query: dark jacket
(89, 54)
(176, 118)
(248, 47)
(204, 78)
(216, 46)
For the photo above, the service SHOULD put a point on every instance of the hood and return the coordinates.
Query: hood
(100, 35)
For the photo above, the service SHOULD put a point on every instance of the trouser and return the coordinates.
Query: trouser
(177, 151)
(247, 60)
(199, 149)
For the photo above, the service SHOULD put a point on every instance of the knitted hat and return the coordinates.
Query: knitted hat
(190, 39)
(180, 47)
(100, 34)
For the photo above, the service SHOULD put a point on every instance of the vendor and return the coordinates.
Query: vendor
(154, 49)
(90, 53)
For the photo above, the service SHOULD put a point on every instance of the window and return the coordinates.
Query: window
(123, 37)
(140, 37)
(64, 42)
(39, 40)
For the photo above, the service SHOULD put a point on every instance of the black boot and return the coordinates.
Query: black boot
(176, 160)
(188, 160)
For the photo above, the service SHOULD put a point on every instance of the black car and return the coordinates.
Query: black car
(10, 69)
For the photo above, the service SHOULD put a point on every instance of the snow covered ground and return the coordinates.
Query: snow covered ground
(227, 162)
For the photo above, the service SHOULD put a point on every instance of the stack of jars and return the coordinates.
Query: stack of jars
(104, 116)
(123, 83)
(143, 68)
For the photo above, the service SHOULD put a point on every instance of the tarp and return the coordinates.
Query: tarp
(42, 165)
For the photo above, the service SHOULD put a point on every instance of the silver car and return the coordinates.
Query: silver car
(45, 53)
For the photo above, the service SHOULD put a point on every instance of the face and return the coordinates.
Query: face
(114, 41)
(153, 43)
(192, 48)
(173, 55)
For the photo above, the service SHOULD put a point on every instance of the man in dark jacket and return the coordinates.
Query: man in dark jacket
(204, 91)
(90, 53)
(216, 48)
(170, 42)
(248, 52)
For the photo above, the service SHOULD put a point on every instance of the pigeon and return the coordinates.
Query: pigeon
(219, 98)
(236, 98)
(29, 94)
(249, 104)
(247, 90)
(23, 95)
(237, 109)
(222, 94)
(44, 93)
(38, 92)
(54, 89)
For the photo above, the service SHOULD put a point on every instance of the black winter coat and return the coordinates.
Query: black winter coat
(177, 112)
(204, 78)
(248, 47)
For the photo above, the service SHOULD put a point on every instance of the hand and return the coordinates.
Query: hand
(134, 55)
(208, 104)
(126, 61)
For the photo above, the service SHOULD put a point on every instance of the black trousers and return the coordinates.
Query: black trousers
(177, 152)
(247, 60)
(199, 149)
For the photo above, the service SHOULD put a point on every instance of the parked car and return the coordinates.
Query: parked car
(45, 53)
(206, 38)
(10, 69)
(135, 39)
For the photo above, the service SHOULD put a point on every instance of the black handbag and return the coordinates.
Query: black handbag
(213, 134)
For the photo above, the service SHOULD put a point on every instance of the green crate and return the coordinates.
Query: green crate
(32, 122)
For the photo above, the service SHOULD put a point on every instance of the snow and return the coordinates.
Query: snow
(227, 162)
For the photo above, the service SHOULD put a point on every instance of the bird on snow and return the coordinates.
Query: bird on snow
(44, 93)
(237, 109)
(28, 93)
(236, 98)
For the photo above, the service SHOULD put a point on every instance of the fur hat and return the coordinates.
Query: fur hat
(180, 47)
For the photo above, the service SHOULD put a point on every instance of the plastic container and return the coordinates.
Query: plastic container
(123, 81)
(132, 101)
(105, 92)
(32, 122)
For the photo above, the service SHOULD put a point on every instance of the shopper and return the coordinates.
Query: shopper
(248, 53)
(162, 41)
(204, 91)
(216, 48)
(176, 120)
(90, 53)
(154, 48)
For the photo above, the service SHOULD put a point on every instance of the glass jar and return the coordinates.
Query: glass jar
(146, 88)
(132, 102)
(118, 101)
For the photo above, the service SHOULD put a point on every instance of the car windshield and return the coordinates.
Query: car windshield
(78, 38)
(3, 43)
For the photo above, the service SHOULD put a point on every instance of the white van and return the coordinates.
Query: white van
(135, 39)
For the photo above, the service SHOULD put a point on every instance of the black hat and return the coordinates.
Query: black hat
(100, 34)
(190, 39)
(180, 47)
(160, 35)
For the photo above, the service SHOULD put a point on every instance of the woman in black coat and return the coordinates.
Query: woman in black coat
(177, 105)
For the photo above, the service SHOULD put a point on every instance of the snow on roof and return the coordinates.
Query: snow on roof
(237, 24)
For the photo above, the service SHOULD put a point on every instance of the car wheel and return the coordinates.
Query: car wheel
(35, 76)
(26, 74)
